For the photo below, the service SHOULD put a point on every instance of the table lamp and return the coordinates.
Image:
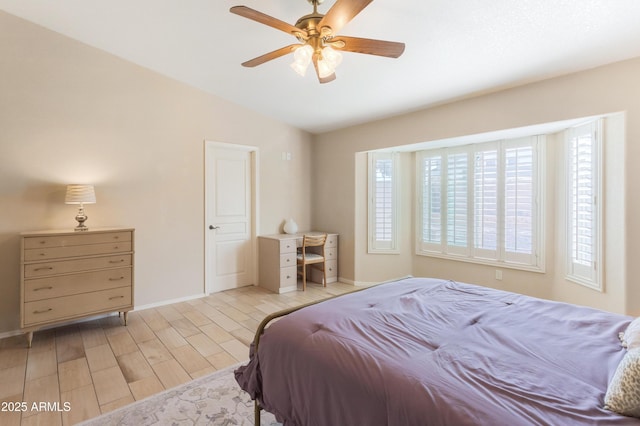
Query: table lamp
(80, 194)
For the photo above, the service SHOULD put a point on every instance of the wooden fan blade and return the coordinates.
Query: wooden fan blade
(322, 80)
(390, 49)
(262, 18)
(271, 55)
(342, 12)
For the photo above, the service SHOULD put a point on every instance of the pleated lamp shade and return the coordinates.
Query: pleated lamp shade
(80, 194)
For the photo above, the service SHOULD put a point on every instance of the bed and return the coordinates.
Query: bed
(422, 351)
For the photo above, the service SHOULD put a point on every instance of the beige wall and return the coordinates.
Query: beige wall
(70, 113)
(615, 259)
(394, 265)
(608, 89)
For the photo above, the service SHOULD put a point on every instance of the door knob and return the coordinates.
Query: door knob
(213, 227)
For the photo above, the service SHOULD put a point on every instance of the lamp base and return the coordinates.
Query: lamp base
(81, 217)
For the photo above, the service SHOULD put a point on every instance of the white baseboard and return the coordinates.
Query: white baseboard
(367, 283)
(287, 289)
(6, 334)
(168, 302)
(356, 283)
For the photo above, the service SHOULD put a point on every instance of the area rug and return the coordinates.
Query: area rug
(215, 399)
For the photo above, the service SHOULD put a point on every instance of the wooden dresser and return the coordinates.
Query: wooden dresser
(66, 275)
(277, 261)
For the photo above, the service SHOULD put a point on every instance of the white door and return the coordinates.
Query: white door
(228, 200)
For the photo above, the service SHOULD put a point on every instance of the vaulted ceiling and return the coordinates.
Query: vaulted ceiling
(454, 48)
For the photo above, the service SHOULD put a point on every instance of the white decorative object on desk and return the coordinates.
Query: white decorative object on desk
(290, 226)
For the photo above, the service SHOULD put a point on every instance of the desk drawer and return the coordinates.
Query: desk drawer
(330, 253)
(66, 285)
(73, 251)
(288, 276)
(67, 307)
(332, 272)
(65, 266)
(332, 241)
(288, 259)
(287, 246)
(75, 239)
(332, 268)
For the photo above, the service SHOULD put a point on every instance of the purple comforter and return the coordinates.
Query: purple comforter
(433, 352)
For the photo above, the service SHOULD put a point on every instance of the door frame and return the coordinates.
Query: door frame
(255, 192)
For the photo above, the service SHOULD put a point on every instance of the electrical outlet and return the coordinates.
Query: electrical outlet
(498, 275)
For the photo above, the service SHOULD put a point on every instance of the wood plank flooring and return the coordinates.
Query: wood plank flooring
(89, 368)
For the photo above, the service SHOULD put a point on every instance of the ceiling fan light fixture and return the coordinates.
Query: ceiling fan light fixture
(325, 68)
(332, 56)
(301, 59)
(328, 62)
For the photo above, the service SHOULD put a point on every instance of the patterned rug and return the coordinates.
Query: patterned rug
(215, 399)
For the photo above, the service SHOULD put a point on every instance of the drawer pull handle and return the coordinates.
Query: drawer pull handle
(116, 297)
(116, 279)
(116, 247)
(116, 261)
(44, 268)
(43, 242)
(43, 288)
(288, 276)
(44, 311)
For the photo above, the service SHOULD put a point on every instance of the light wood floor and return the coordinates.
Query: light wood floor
(97, 366)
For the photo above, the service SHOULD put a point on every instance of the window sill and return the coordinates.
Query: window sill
(486, 262)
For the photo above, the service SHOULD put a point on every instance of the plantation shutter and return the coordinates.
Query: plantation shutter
(431, 167)
(486, 209)
(457, 203)
(519, 202)
(583, 217)
(383, 204)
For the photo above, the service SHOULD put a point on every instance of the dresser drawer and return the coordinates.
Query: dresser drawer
(65, 266)
(78, 305)
(73, 251)
(75, 239)
(66, 285)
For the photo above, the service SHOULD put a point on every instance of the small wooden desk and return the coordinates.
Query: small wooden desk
(277, 261)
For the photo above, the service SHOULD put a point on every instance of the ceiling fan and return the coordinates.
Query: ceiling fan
(318, 39)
